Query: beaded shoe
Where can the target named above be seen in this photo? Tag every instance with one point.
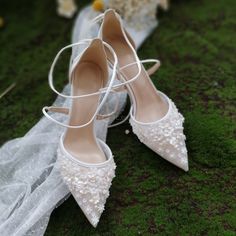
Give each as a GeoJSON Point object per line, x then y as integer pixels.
{"type": "Point", "coordinates": [154, 117]}
{"type": "Point", "coordinates": [164, 136]}
{"type": "Point", "coordinates": [86, 162]}
{"type": "Point", "coordinates": [88, 183]}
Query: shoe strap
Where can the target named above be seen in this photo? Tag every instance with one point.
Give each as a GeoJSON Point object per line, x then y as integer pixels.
{"type": "Point", "coordinates": [106, 90]}
{"type": "Point", "coordinates": [76, 61]}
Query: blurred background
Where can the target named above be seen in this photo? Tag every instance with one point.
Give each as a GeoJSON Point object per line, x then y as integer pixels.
{"type": "Point", "coordinates": [195, 41]}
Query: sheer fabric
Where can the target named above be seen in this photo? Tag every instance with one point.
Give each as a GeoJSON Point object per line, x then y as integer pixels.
{"type": "Point", "coordinates": [30, 185]}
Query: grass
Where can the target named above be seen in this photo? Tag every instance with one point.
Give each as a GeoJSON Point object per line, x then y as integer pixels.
{"type": "Point", "coordinates": [195, 41]}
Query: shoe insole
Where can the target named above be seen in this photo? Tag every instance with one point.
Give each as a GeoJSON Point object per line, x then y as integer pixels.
{"type": "Point", "coordinates": [81, 142]}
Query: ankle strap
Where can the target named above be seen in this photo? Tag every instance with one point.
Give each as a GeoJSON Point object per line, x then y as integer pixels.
{"type": "Point", "coordinates": [82, 42]}
{"type": "Point", "coordinates": [114, 65]}
{"type": "Point", "coordinates": [105, 92]}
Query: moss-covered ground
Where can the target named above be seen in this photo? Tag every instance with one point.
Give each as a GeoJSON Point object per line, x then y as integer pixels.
{"type": "Point", "coordinates": [196, 42]}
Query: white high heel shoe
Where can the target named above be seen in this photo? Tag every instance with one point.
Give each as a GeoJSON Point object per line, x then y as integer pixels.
{"type": "Point", "coordinates": [86, 163]}
{"type": "Point", "coordinates": [153, 116]}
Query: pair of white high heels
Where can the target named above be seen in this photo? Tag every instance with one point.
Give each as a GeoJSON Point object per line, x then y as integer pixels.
{"type": "Point", "coordinates": [86, 162]}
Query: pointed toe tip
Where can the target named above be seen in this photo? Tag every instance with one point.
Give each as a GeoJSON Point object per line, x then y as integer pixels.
{"type": "Point", "coordinates": [93, 220]}
{"type": "Point", "coordinates": [182, 166]}
{"type": "Point", "coordinates": [181, 162]}
{"type": "Point", "coordinates": [185, 165]}
{"type": "Point", "coordinates": [94, 224]}
{"type": "Point", "coordinates": [186, 168]}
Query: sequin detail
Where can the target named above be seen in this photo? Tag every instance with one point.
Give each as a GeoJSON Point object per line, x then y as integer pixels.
{"type": "Point", "coordinates": [88, 184]}
{"type": "Point", "coordinates": [165, 137]}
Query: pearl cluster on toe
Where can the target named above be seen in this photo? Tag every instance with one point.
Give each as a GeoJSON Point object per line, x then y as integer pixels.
{"type": "Point", "coordinates": [88, 183]}
{"type": "Point", "coordinates": [165, 136]}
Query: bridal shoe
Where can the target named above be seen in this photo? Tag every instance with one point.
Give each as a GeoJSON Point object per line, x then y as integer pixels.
{"type": "Point", "coordinates": [153, 116]}
{"type": "Point", "coordinates": [86, 162]}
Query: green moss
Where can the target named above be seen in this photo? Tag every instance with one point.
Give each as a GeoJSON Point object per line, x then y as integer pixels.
{"type": "Point", "coordinates": [211, 140]}
{"type": "Point", "coordinates": [195, 41]}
